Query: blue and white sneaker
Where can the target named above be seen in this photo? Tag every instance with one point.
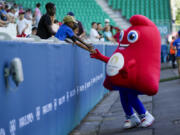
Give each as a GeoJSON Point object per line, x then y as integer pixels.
{"type": "Point", "coordinates": [146, 119]}
{"type": "Point", "coordinates": [132, 121]}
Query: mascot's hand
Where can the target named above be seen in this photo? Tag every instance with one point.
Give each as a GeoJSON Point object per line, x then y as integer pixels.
{"type": "Point", "coordinates": [96, 55]}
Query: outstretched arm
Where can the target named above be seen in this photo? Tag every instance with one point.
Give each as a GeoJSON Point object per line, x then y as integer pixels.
{"type": "Point", "coordinates": [85, 47]}
{"type": "Point", "coordinates": [84, 43]}
{"type": "Point", "coordinates": [99, 56]}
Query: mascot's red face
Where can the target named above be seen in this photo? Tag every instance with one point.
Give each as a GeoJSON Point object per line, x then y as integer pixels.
{"type": "Point", "coordinates": [136, 62]}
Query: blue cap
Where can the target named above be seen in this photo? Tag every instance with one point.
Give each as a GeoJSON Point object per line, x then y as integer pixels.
{"type": "Point", "coordinates": [70, 13]}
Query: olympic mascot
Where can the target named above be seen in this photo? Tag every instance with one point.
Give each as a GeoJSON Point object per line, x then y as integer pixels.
{"type": "Point", "coordinates": [134, 69]}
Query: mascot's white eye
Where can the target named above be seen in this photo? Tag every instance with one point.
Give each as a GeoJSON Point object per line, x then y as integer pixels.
{"type": "Point", "coordinates": [132, 36]}
{"type": "Point", "coordinates": [121, 36]}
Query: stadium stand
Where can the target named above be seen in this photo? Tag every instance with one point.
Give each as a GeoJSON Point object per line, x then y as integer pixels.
{"type": "Point", "coordinates": [85, 11]}
{"type": "Point", "coordinates": [153, 9]}
{"type": "Point", "coordinates": [157, 10]}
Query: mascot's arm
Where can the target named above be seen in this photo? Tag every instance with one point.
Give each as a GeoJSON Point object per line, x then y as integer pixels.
{"type": "Point", "coordinates": [99, 56]}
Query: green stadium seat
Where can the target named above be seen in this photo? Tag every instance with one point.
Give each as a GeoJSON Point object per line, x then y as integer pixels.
{"type": "Point", "coordinates": [110, 2]}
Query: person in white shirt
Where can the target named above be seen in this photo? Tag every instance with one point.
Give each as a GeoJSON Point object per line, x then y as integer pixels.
{"type": "Point", "coordinates": [22, 25]}
{"type": "Point", "coordinates": [12, 15]}
{"type": "Point", "coordinates": [28, 15]}
{"type": "Point", "coordinates": [94, 35]}
{"type": "Point", "coordinates": [12, 12]}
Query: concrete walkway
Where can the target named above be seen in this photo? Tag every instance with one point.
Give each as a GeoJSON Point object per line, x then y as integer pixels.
{"type": "Point", "coordinates": [107, 117]}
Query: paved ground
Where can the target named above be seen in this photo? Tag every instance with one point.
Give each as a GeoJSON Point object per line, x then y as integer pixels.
{"type": "Point", "coordinates": [169, 73]}
{"type": "Point", "coordinates": [107, 117]}
{"type": "Point", "coordinates": [166, 108]}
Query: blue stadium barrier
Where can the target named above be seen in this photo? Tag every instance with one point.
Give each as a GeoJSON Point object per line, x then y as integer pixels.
{"type": "Point", "coordinates": [109, 49]}
{"type": "Point", "coordinates": [61, 85]}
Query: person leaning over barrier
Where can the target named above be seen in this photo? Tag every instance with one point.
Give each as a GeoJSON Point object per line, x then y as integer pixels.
{"type": "Point", "coordinates": [65, 33]}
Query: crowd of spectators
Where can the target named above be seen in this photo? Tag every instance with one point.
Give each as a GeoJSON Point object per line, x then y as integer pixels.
{"type": "Point", "coordinates": [46, 26]}
{"type": "Point", "coordinates": [99, 33]}
{"type": "Point", "coordinates": [15, 14]}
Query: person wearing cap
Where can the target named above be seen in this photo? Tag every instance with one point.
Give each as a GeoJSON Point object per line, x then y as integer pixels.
{"type": "Point", "coordinates": [81, 33]}
{"type": "Point", "coordinates": [107, 21]}
{"type": "Point", "coordinates": [65, 33]}
{"type": "Point", "coordinates": [176, 44]}
{"type": "Point", "coordinates": [45, 30]}
{"type": "Point", "coordinates": [22, 24]}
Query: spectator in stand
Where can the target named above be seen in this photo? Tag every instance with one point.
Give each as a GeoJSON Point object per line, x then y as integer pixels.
{"type": "Point", "coordinates": [65, 33]}
{"type": "Point", "coordinates": [3, 13]}
{"type": "Point", "coordinates": [107, 22]}
{"type": "Point", "coordinates": [12, 12]}
{"type": "Point", "coordinates": [99, 28]}
{"type": "Point", "coordinates": [34, 31]}
{"type": "Point", "coordinates": [6, 8]}
{"type": "Point", "coordinates": [21, 8]}
{"type": "Point", "coordinates": [108, 35]}
{"type": "Point", "coordinates": [6, 17]}
{"type": "Point", "coordinates": [117, 35]}
{"type": "Point", "coordinates": [37, 14]}
{"type": "Point", "coordinates": [12, 15]}
{"type": "Point", "coordinates": [2, 22]}
{"type": "Point", "coordinates": [45, 30]}
{"type": "Point", "coordinates": [176, 44]}
{"type": "Point", "coordinates": [16, 9]}
{"type": "Point", "coordinates": [22, 24]}
{"type": "Point", "coordinates": [100, 31]}
{"type": "Point", "coordinates": [94, 36]}
{"type": "Point", "coordinates": [172, 53]}
{"type": "Point", "coordinates": [28, 15]}
{"type": "Point", "coordinates": [81, 32]}
{"type": "Point", "coordinates": [76, 29]}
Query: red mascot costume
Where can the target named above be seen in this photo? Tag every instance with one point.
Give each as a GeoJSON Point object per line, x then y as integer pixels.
{"type": "Point", "coordinates": [134, 68]}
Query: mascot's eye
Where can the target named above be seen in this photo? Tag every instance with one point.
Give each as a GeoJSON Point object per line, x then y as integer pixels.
{"type": "Point", "coordinates": [132, 36]}
{"type": "Point", "coordinates": [121, 36]}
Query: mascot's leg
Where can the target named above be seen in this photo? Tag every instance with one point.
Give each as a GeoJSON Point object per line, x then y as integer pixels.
{"type": "Point", "coordinates": [146, 118]}
{"type": "Point", "coordinates": [135, 102]}
{"type": "Point", "coordinates": [131, 118]}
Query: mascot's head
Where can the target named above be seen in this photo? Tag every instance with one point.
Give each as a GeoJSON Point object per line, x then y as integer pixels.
{"type": "Point", "coordinates": [142, 35]}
